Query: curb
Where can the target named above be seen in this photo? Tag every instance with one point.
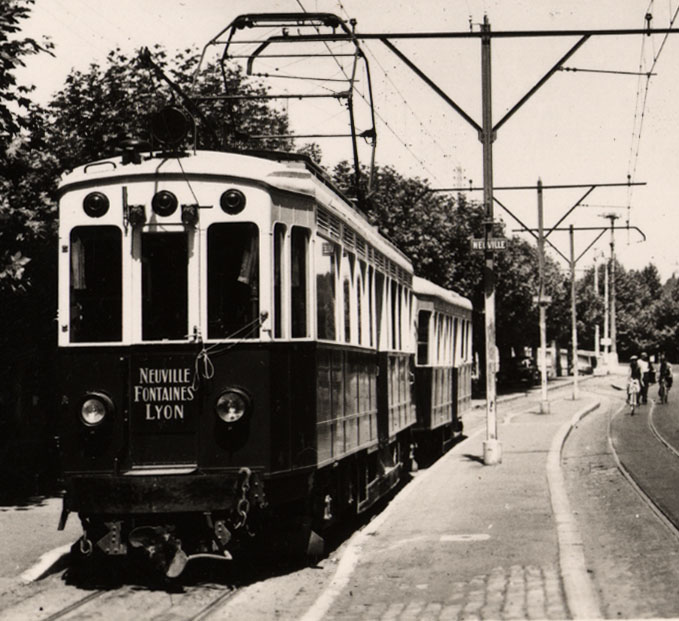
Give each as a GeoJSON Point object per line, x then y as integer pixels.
{"type": "Point", "coordinates": [48, 563]}
{"type": "Point", "coordinates": [581, 597]}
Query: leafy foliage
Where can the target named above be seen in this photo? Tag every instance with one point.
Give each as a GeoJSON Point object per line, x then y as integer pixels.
{"type": "Point", "coordinates": [13, 50]}
{"type": "Point", "coordinates": [101, 108]}
{"type": "Point", "coordinates": [434, 231]}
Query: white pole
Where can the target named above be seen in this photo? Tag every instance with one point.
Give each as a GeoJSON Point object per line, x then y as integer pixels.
{"type": "Point", "coordinates": [574, 322]}
{"type": "Point", "coordinates": [544, 401]}
{"type": "Point", "coordinates": [492, 449]}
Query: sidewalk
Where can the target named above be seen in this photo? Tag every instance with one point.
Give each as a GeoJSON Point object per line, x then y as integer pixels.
{"type": "Point", "coordinates": [465, 540]}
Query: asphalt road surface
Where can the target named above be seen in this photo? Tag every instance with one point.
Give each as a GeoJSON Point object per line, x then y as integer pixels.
{"type": "Point", "coordinates": [633, 556]}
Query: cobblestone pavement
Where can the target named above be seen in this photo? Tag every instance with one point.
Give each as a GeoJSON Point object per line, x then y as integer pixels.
{"type": "Point", "coordinates": [514, 592]}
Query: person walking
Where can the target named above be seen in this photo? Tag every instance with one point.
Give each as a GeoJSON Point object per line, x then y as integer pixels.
{"type": "Point", "coordinates": [647, 376]}
{"type": "Point", "coordinates": [664, 379]}
{"type": "Point", "coordinates": [633, 382]}
{"type": "Point", "coordinates": [643, 369]}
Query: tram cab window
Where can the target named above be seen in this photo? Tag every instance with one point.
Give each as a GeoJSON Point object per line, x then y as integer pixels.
{"type": "Point", "coordinates": [164, 286]}
{"type": "Point", "coordinates": [233, 280]}
{"type": "Point", "coordinates": [96, 308]}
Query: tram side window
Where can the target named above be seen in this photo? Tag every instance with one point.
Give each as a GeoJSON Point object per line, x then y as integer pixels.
{"type": "Point", "coordinates": [278, 245]}
{"type": "Point", "coordinates": [326, 276]}
{"type": "Point", "coordinates": [96, 287]}
{"type": "Point", "coordinates": [395, 315]}
{"type": "Point", "coordinates": [423, 337]}
{"type": "Point", "coordinates": [233, 280]}
{"type": "Point", "coordinates": [299, 248]}
{"type": "Point", "coordinates": [379, 307]}
{"type": "Point", "coordinates": [165, 302]}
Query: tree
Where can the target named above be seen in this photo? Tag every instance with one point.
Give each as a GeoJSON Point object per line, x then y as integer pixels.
{"type": "Point", "coordinates": [434, 231]}
{"type": "Point", "coordinates": [26, 228]}
{"type": "Point", "coordinates": [23, 220]}
{"type": "Point", "coordinates": [13, 50]}
{"type": "Point", "coordinates": [99, 109]}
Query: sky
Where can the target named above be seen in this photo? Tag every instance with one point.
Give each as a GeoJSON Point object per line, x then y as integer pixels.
{"type": "Point", "coordinates": [599, 125]}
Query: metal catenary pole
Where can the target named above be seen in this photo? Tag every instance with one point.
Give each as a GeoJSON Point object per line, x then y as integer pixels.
{"type": "Point", "coordinates": [542, 303]}
{"type": "Point", "coordinates": [607, 336]}
{"type": "Point", "coordinates": [492, 449]}
{"type": "Point", "coordinates": [574, 321]}
{"type": "Point", "coordinates": [614, 348]}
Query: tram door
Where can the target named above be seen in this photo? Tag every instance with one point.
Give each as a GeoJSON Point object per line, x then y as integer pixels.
{"type": "Point", "coordinates": [164, 405]}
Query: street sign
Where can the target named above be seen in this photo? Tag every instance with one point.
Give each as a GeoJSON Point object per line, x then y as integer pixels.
{"type": "Point", "coordinates": [494, 243]}
{"type": "Point", "coordinates": [605, 341]}
{"type": "Point", "coordinates": [545, 299]}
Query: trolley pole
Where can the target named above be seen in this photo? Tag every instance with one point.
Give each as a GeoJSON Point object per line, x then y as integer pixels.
{"type": "Point", "coordinates": [574, 322]}
{"type": "Point", "coordinates": [492, 449]}
{"type": "Point", "coordinates": [542, 303]}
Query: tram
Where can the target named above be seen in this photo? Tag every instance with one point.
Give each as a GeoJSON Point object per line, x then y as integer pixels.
{"type": "Point", "coordinates": [443, 368]}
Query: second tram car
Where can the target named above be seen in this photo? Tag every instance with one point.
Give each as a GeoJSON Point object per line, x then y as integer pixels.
{"type": "Point", "coordinates": [443, 367]}
{"type": "Point", "coordinates": [238, 346]}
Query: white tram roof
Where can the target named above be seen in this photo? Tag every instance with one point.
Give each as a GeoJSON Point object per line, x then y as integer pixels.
{"type": "Point", "coordinates": [287, 172]}
{"type": "Point", "coordinates": [426, 289]}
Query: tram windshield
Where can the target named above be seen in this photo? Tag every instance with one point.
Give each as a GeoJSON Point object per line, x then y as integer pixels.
{"type": "Point", "coordinates": [96, 284]}
{"type": "Point", "coordinates": [233, 280]}
{"type": "Point", "coordinates": [165, 305]}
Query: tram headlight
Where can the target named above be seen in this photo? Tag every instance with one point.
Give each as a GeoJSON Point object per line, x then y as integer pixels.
{"type": "Point", "coordinates": [164, 203]}
{"type": "Point", "coordinates": [232, 201]}
{"type": "Point", "coordinates": [232, 405]}
{"type": "Point", "coordinates": [95, 204]}
{"type": "Point", "coordinates": [95, 408]}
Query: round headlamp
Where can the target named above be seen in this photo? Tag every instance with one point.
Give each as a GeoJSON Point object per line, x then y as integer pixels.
{"type": "Point", "coordinates": [164, 203]}
{"type": "Point", "coordinates": [232, 201]}
{"type": "Point", "coordinates": [95, 204]}
{"type": "Point", "coordinates": [232, 405]}
{"type": "Point", "coordinates": [95, 408]}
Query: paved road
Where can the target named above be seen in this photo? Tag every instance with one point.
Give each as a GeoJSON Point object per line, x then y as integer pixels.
{"type": "Point", "coordinates": [29, 529]}
{"type": "Point", "coordinates": [632, 556]}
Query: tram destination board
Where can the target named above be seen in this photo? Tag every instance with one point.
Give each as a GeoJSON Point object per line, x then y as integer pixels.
{"type": "Point", "coordinates": [494, 243]}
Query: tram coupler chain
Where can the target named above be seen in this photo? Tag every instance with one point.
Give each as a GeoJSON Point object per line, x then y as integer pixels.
{"type": "Point", "coordinates": [85, 546]}
{"type": "Point", "coordinates": [242, 504]}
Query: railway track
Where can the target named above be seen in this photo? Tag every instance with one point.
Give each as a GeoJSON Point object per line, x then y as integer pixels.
{"type": "Point", "coordinates": [195, 603]}
{"type": "Point", "coordinates": [646, 450]}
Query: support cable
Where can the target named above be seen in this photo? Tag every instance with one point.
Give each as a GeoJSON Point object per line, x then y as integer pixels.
{"type": "Point", "coordinates": [636, 140]}
{"type": "Point", "coordinates": [398, 91]}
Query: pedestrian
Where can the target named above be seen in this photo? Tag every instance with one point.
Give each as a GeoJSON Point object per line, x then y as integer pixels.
{"type": "Point", "coordinates": [643, 368]}
{"type": "Point", "coordinates": [633, 382]}
{"type": "Point", "coordinates": [664, 379]}
{"type": "Point", "coordinates": [647, 375]}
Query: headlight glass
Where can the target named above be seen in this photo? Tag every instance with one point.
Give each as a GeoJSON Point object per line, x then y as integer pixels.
{"type": "Point", "coordinates": [232, 406]}
{"type": "Point", "coordinates": [94, 409]}
{"type": "Point", "coordinates": [164, 203]}
{"type": "Point", "coordinates": [95, 204]}
{"type": "Point", "coordinates": [232, 201]}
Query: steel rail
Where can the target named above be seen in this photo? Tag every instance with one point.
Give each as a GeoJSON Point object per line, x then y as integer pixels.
{"type": "Point", "coordinates": [209, 608]}
{"type": "Point", "coordinates": [74, 606]}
